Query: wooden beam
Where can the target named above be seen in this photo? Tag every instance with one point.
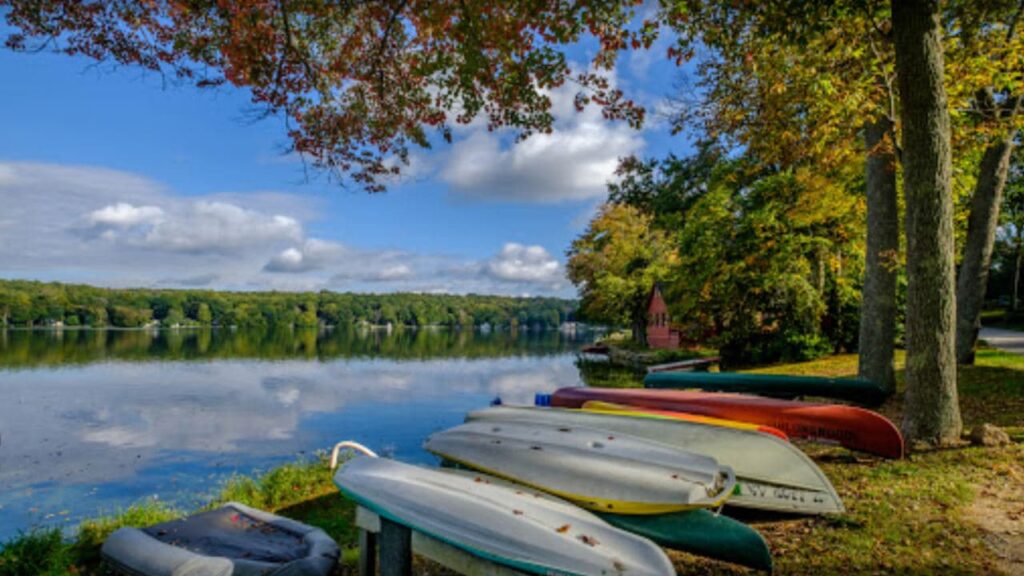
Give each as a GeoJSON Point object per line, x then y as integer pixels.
{"type": "Point", "coordinates": [457, 559]}
{"type": "Point", "coordinates": [395, 549]}
{"type": "Point", "coordinates": [367, 553]}
{"type": "Point", "coordinates": [445, 554]}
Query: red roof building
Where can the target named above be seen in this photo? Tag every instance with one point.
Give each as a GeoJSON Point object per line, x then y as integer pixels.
{"type": "Point", "coordinates": [660, 333]}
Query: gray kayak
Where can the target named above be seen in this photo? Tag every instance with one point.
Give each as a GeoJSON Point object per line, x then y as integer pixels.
{"type": "Point", "coordinates": [511, 525]}
{"type": "Point", "coordinates": [593, 468]}
{"type": "Point", "coordinates": [771, 473]}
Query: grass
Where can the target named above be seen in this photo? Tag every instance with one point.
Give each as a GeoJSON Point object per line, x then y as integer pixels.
{"type": "Point", "coordinates": [903, 517]}
{"type": "Point", "coordinates": [1003, 318]}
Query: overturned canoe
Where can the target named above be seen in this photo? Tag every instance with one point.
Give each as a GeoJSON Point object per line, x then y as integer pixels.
{"type": "Point", "coordinates": [702, 533]}
{"type": "Point", "coordinates": [518, 528]}
{"type": "Point", "coordinates": [859, 390]}
{"type": "Point", "coordinates": [592, 468]}
{"type": "Point", "coordinates": [771, 474]}
{"type": "Point", "coordinates": [854, 428]}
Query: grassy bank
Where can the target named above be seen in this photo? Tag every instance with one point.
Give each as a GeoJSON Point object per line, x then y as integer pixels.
{"type": "Point", "coordinates": [958, 511]}
{"type": "Point", "coordinates": [303, 490]}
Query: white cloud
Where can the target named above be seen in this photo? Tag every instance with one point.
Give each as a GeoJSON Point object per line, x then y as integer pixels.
{"type": "Point", "coordinates": [574, 162]}
{"type": "Point", "coordinates": [312, 255]}
{"type": "Point", "coordinates": [396, 272]}
{"type": "Point", "coordinates": [199, 226]}
{"type": "Point", "coordinates": [519, 263]}
{"type": "Point", "coordinates": [359, 272]}
{"type": "Point", "coordinates": [124, 215]}
{"type": "Point", "coordinates": [109, 228]}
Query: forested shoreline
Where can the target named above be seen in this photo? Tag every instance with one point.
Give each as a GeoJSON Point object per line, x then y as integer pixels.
{"type": "Point", "coordinates": [29, 304]}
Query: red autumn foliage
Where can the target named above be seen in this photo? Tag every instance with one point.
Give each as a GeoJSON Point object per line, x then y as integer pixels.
{"type": "Point", "coordinates": [358, 83]}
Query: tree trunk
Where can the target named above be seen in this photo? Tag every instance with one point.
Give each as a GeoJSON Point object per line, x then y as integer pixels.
{"type": "Point", "coordinates": [878, 302]}
{"type": "Point", "coordinates": [640, 332]}
{"type": "Point", "coordinates": [981, 236]}
{"type": "Point", "coordinates": [1016, 273]}
{"type": "Point", "coordinates": [638, 318]}
{"type": "Point", "coordinates": [931, 411]}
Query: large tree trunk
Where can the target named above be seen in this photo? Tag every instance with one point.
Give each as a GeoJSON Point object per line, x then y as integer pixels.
{"type": "Point", "coordinates": [931, 411]}
{"type": "Point", "coordinates": [878, 301]}
{"type": "Point", "coordinates": [981, 236]}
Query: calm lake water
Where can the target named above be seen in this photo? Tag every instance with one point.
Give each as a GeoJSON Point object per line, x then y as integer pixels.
{"type": "Point", "coordinates": [92, 421]}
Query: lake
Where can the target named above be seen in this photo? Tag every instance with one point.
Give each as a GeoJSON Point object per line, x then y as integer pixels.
{"type": "Point", "coordinates": [92, 421]}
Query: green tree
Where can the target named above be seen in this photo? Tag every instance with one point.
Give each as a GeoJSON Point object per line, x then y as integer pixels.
{"type": "Point", "coordinates": [308, 315]}
{"type": "Point", "coordinates": [615, 263]}
{"type": "Point", "coordinates": [203, 314]}
{"type": "Point", "coordinates": [174, 317]}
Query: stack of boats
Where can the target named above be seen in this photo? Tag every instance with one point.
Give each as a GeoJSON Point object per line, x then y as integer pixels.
{"type": "Point", "coordinates": [597, 480]}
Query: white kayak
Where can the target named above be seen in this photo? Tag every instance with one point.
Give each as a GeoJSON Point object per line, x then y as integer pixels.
{"type": "Point", "coordinates": [771, 473]}
{"type": "Point", "coordinates": [510, 525]}
{"type": "Point", "coordinates": [593, 468]}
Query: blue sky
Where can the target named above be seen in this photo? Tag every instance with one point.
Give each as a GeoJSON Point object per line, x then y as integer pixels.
{"type": "Point", "coordinates": [110, 178]}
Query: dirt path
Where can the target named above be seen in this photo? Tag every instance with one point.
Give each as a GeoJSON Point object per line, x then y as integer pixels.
{"type": "Point", "coordinates": [999, 510]}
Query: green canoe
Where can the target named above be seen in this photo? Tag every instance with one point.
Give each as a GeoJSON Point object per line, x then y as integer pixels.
{"type": "Point", "coordinates": [700, 532]}
{"type": "Point", "coordinates": [859, 390]}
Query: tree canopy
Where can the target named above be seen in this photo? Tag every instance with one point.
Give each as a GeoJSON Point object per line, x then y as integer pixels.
{"type": "Point", "coordinates": [359, 84]}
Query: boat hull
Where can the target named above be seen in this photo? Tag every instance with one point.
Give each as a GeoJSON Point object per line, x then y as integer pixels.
{"type": "Point", "coordinates": [702, 533]}
{"type": "Point", "coordinates": [593, 468]}
{"type": "Point", "coordinates": [857, 390]}
{"type": "Point", "coordinates": [759, 460]}
{"type": "Point", "coordinates": [625, 410]}
{"type": "Point", "coordinates": [852, 427]}
{"type": "Point", "coordinates": [511, 526]}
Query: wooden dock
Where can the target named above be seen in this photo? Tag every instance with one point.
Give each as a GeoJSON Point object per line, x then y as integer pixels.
{"type": "Point", "coordinates": [694, 364]}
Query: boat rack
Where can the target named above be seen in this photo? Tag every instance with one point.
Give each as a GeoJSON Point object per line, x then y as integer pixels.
{"type": "Point", "coordinates": [397, 544]}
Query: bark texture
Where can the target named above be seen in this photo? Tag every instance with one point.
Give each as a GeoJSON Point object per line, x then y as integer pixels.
{"type": "Point", "coordinates": [931, 410]}
{"type": "Point", "coordinates": [878, 302]}
{"type": "Point", "coordinates": [981, 235]}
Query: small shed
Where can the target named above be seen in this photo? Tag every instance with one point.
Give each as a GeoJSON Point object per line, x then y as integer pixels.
{"type": "Point", "coordinates": [660, 333]}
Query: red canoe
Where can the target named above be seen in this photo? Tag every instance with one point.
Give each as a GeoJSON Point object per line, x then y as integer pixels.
{"type": "Point", "coordinates": [854, 428]}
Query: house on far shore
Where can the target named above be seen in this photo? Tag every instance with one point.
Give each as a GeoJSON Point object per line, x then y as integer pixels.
{"type": "Point", "coordinates": [660, 333]}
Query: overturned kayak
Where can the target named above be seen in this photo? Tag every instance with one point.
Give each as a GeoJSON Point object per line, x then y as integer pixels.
{"type": "Point", "coordinates": [590, 467]}
{"type": "Point", "coordinates": [854, 428]}
{"type": "Point", "coordinates": [699, 532]}
{"type": "Point", "coordinates": [625, 410]}
{"type": "Point", "coordinates": [859, 390]}
{"type": "Point", "coordinates": [771, 474]}
{"type": "Point", "coordinates": [518, 528]}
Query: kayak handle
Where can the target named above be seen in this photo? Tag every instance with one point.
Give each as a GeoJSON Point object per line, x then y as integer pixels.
{"type": "Point", "coordinates": [352, 445]}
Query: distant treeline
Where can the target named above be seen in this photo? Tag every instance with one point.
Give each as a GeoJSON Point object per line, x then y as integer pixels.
{"type": "Point", "coordinates": [28, 304]}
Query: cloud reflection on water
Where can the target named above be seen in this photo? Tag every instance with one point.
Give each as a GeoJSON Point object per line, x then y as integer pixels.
{"type": "Point", "coordinates": [109, 423]}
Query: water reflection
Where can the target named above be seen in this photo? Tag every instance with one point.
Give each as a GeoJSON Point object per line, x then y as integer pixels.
{"type": "Point", "coordinates": [100, 427]}
{"type": "Point", "coordinates": [35, 348]}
